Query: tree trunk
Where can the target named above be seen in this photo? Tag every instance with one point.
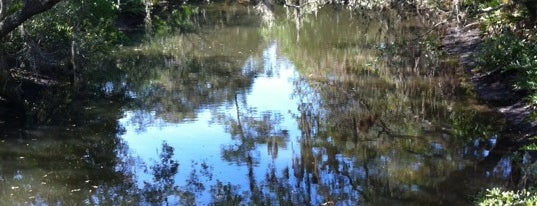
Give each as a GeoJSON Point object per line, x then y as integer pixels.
{"type": "Point", "coordinates": [30, 8]}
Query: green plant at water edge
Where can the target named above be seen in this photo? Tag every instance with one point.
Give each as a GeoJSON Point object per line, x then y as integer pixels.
{"type": "Point", "coordinates": [510, 44]}
{"type": "Point", "coordinates": [497, 196]}
{"type": "Point", "coordinates": [506, 52]}
{"type": "Point", "coordinates": [530, 147]}
{"type": "Point", "coordinates": [503, 196]}
{"type": "Point", "coordinates": [179, 20]}
{"type": "Point", "coordinates": [469, 124]}
{"type": "Point", "coordinates": [88, 26]}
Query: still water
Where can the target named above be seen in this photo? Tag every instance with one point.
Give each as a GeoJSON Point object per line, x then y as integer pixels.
{"type": "Point", "coordinates": [354, 108]}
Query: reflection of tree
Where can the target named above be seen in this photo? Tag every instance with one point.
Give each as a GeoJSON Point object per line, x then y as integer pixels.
{"type": "Point", "coordinates": [162, 188]}
{"type": "Point", "coordinates": [76, 158]}
{"type": "Point", "coordinates": [171, 77]}
{"type": "Point", "coordinates": [83, 160]}
{"type": "Point", "coordinates": [375, 161]}
{"type": "Point", "coordinates": [249, 131]}
{"type": "Point", "coordinates": [225, 194]}
{"type": "Point", "coordinates": [163, 183]}
{"type": "Point", "coordinates": [364, 134]}
{"type": "Point", "coordinates": [375, 112]}
{"type": "Point", "coordinates": [176, 93]}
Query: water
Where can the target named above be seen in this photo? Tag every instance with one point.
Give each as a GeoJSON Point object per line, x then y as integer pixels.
{"type": "Point", "coordinates": [356, 108]}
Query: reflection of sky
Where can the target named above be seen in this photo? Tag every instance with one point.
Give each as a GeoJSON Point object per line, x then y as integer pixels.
{"type": "Point", "coordinates": [202, 139]}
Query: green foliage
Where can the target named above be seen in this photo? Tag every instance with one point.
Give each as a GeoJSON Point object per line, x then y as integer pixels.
{"type": "Point", "coordinates": [497, 14]}
{"type": "Point", "coordinates": [179, 20]}
{"type": "Point", "coordinates": [482, 3]}
{"type": "Point", "coordinates": [468, 124]}
{"type": "Point", "coordinates": [160, 26]}
{"type": "Point", "coordinates": [132, 6]}
{"type": "Point", "coordinates": [507, 52]}
{"type": "Point", "coordinates": [13, 8]}
{"type": "Point", "coordinates": [501, 196]}
{"type": "Point", "coordinates": [497, 196]}
{"type": "Point", "coordinates": [87, 24]}
{"type": "Point", "coordinates": [530, 147]}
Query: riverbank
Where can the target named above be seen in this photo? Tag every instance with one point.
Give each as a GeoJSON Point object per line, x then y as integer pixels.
{"type": "Point", "coordinates": [494, 89]}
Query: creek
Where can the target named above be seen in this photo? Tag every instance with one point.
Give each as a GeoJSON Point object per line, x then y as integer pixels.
{"type": "Point", "coordinates": [354, 108]}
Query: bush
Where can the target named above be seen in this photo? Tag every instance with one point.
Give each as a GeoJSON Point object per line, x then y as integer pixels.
{"type": "Point", "coordinates": [505, 52]}
{"type": "Point", "coordinates": [497, 196]}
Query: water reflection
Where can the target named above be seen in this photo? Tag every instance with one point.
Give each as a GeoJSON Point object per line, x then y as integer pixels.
{"type": "Point", "coordinates": [353, 129]}
{"type": "Point", "coordinates": [236, 114]}
{"type": "Point", "coordinates": [251, 117]}
{"type": "Point", "coordinates": [45, 165]}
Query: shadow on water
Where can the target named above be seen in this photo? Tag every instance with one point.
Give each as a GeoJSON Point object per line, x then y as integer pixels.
{"type": "Point", "coordinates": [361, 109]}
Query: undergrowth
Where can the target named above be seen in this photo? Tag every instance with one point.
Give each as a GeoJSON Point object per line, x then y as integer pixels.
{"type": "Point", "coordinates": [510, 45]}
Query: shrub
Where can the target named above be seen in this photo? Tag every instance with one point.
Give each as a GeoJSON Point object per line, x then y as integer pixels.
{"type": "Point", "coordinates": [507, 52]}
{"type": "Point", "coordinates": [497, 196]}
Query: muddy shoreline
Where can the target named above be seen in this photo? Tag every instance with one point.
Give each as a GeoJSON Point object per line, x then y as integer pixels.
{"type": "Point", "coordinates": [493, 89]}
{"type": "Point", "coordinates": [496, 91]}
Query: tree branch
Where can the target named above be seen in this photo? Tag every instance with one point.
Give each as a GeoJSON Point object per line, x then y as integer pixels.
{"type": "Point", "coordinates": [30, 8]}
